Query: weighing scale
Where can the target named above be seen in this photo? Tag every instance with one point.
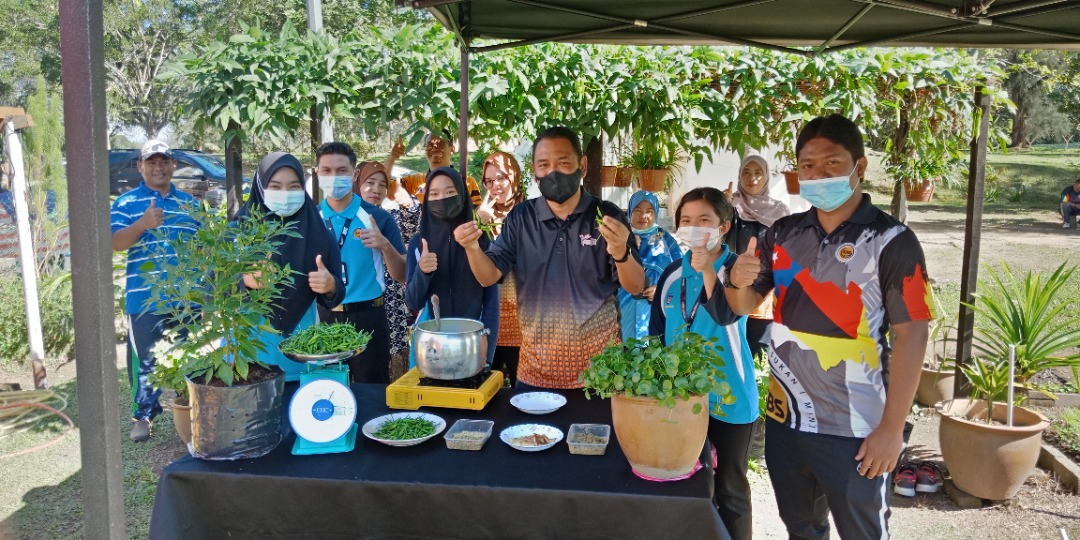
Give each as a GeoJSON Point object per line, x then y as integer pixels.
{"type": "Point", "coordinates": [413, 391]}
{"type": "Point", "coordinates": [323, 411]}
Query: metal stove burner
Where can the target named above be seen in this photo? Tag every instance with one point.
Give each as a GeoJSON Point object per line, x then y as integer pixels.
{"type": "Point", "coordinates": [471, 383]}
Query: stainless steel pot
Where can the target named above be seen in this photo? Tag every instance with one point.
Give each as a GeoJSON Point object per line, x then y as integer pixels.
{"type": "Point", "coordinates": [457, 350]}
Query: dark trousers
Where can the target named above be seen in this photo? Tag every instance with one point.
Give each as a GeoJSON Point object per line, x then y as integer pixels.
{"type": "Point", "coordinates": [506, 361]}
{"type": "Point", "coordinates": [1069, 213]}
{"type": "Point", "coordinates": [372, 365]}
{"type": "Point", "coordinates": [731, 489]}
{"type": "Point", "coordinates": [758, 334]}
{"type": "Point", "coordinates": [144, 330]}
{"type": "Point", "coordinates": [813, 474]}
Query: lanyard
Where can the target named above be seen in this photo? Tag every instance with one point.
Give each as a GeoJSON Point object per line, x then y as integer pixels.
{"type": "Point", "coordinates": [344, 231]}
{"type": "Point", "coordinates": [688, 319]}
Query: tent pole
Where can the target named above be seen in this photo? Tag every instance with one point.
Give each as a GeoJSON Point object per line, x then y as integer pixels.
{"type": "Point", "coordinates": [463, 111]}
{"type": "Point", "coordinates": [972, 234]}
{"type": "Point", "coordinates": [85, 132]}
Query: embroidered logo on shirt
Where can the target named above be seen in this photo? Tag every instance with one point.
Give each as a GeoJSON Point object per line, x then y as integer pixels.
{"type": "Point", "coordinates": [587, 240]}
{"type": "Point", "coordinates": [845, 252]}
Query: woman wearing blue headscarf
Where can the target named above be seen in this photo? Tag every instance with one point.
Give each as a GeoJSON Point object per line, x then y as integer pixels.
{"type": "Point", "coordinates": [658, 250]}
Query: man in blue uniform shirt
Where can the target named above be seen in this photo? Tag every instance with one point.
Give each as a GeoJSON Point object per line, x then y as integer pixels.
{"type": "Point", "coordinates": [370, 240]}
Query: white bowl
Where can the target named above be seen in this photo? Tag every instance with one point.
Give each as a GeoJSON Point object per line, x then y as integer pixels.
{"type": "Point", "coordinates": [538, 402]}
{"type": "Point", "coordinates": [524, 430]}
{"type": "Point", "coordinates": [372, 426]}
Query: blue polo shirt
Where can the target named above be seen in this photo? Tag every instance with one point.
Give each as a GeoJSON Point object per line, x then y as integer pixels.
{"type": "Point", "coordinates": [126, 210]}
{"type": "Point", "coordinates": [363, 267]}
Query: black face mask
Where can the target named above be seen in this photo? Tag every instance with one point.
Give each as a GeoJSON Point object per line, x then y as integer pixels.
{"type": "Point", "coordinates": [558, 187]}
{"type": "Point", "coordinates": [446, 209]}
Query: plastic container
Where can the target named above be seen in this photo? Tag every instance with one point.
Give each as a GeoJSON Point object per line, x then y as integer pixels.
{"type": "Point", "coordinates": [468, 434]}
{"type": "Point", "coordinates": [596, 440]}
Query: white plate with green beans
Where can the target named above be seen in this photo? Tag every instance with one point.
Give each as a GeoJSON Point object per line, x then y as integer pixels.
{"type": "Point", "coordinates": [403, 429]}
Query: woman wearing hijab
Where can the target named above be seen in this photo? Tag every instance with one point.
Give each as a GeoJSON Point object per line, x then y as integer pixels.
{"type": "Point", "coordinates": [437, 264]}
{"type": "Point", "coordinates": [313, 255]}
{"type": "Point", "coordinates": [501, 176]}
{"type": "Point", "coordinates": [374, 185]}
{"type": "Point", "coordinates": [755, 212]}
{"type": "Point", "coordinates": [658, 250]}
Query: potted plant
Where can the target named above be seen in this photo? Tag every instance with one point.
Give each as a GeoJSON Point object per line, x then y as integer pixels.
{"type": "Point", "coordinates": [659, 399]}
{"type": "Point", "coordinates": [168, 374]}
{"type": "Point", "coordinates": [938, 376]}
{"type": "Point", "coordinates": [790, 172]}
{"type": "Point", "coordinates": [236, 401]}
{"type": "Point", "coordinates": [984, 456]}
{"type": "Point", "coordinates": [653, 167]}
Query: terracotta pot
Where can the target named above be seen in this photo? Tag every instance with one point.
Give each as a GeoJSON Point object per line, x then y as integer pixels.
{"type": "Point", "coordinates": [989, 461]}
{"type": "Point", "coordinates": [791, 179]}
{"type": "Point", "coordinates": [921, 192]}
{"type": "Point", "coordinates": [653, 180]}
{"type": "Point", "coordinates": [607, 175]}
{"type": "Point", "coordinates": [181, 416]}
{"type": "Point", "coordinates": [935, 386]}
{"type": "Point", "coordinates": [657, 441]}
{"type": "Point", "coordinates": [624, 175]}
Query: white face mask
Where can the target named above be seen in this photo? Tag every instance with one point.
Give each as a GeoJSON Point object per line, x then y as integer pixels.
{"type": "Point", "coordinates": [335, 187]}
{"type": "Point", "coordinates": [695, 236]}
{"type": "Point", "coordinates": [283, 202]}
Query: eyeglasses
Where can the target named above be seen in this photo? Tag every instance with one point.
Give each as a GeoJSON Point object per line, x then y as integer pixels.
{"type": "Point", "coordinates": [488, 182]}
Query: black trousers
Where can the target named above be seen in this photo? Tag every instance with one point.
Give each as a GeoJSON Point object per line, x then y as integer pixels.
{"type": "Point", "coordinates": [813, 474]}
{"type": "Point", "coordinates": [506, 361]}
{"type": "Point", "coordinates": [758, 334]}
{"type": "Point", "coordinates": [731, 493]}
{"type": "Point", "coordinates": [372, 365]}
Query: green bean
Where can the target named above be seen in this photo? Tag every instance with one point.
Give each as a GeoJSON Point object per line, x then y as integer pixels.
{"type": "Point", "coordinates": [599, 219]}
{"type": "Point", "coordinates": [488, 229]}
{"type": "Point", "coordinates": [409, 427]}
{"type": "Point", "coordinates": [326, 339]}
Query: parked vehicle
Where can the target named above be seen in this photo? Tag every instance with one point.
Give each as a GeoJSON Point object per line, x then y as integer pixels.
{"type": "Point", "coordinates": [196, 172]}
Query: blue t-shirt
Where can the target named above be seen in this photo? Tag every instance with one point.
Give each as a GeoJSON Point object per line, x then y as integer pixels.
{"type": "Point", "coordinates": [713, 319]}
{"type": "Point", "coordinates": [362, 267]}
{"type": "Point", "coordinates": [126, 210]}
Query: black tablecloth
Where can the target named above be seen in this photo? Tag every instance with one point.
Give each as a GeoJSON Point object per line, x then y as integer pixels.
{"type": "Point", "coordinates": [429, 491]}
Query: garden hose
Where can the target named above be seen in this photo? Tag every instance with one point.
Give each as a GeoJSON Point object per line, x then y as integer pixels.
{"type": "Point", "coordinates": [19, 410]}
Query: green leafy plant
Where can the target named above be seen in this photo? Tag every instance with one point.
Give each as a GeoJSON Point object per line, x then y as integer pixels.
{"type": "Point", "coordinates": [1032, 313]}
{"type": "Point", "coordinates": [200, 291]}
{"type": "Point", "coordinates": [1067, 429]}
{"type": "Point", "coordinates": [168, 373]}
{"type": "Point", "coordinates": [761, 379]}
{"type": "Point", "coordinates": [57, 320]}
{"type": "Point", "coordinates": [989, 380]}
{"type": "Point", "coordinates": [689, 366]}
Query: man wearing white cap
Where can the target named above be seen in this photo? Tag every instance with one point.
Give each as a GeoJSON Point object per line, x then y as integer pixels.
{"type": "Point", "coordinates": [155, 204]}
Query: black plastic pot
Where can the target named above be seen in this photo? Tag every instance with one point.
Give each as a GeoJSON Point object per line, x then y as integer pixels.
{"type": "Point", "coordinates": [238, 422]}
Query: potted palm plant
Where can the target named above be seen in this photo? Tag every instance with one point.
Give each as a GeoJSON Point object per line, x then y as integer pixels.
{"type": "Point", "coordinates": [236, 401]}
{"type": "Point", "coordinates": [659, 399]}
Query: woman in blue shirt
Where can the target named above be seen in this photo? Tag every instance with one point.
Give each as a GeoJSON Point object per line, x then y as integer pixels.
{"type": "Point", "coordinates": [658, 249]}
{"type": "Point", "coordinates": [437, 264]}
{"type": "Point", "coordinates": [686, 286]}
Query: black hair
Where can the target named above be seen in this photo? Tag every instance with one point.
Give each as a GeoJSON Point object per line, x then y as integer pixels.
{"type": "Point", "coordinates": [441, 134]}
{"type": "Point", "coordinates": [713, 197]}
{"type": "Point", "coordinates": [836, 128]}
{"type": "Point", "coordinates": [560, 132]}
{"type": "Point", "coordinates": [331, 148]}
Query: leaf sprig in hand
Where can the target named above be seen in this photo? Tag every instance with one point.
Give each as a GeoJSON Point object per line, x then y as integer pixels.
{"type": "Point", "coordinates": [599, 220]}
{"type": "Point", "coordinates": [488, 229]}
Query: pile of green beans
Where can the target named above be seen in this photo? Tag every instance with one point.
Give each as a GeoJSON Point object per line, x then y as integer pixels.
{"type": "Point", "coordinates": [326, 339]}
{"type": "Point", "coordinates": [401, 429]}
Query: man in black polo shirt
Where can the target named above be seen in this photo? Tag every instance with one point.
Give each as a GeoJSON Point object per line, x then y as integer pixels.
{"type": "Point", "coordinates": [846, 276]}
{"type": "Point", "coordinates": [1070, 204]}
{"type": "Point", "coordinates": [567, 267]}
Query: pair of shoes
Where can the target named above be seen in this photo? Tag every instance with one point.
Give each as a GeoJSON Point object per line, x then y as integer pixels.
{"type": "Point", "coordinates": [140, 431]}
{"type": "Point", "coordinates": [912, 478]}
{"type": "Point", "coordinates": [1065, 226]}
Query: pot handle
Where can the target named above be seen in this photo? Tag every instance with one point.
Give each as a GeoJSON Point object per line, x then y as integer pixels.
{"type": "Point", "coordinates": [485, 332]}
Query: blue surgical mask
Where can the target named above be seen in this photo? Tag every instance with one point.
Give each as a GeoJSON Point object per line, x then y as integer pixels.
{"type": "Point", "coordinates": [335, 187]}
{"type": "Point", "coordinates": [827, 193]}
{"type": "Point", "coordinates": [649, 230]}
{"type": "Point", "coordinates": [283, 202]}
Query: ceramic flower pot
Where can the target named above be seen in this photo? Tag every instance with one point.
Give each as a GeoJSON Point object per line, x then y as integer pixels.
{"type": "Point", "coordinates": [660, 442]}
{"type": "Point", "coordinates": [624, 176]}
{"type": "Point", "coordinates": [990, 461]}
{"type": "Point", "coordinates": [607, 175]}
{"type": "Point", "coordinates": [181, 414]}
{"type": "Point", "coordinates": [652, 179]}
{"type": "Point", "coordinates": [791, 180]}
{"type": "Point", "coordinates": [920, 192]}
{"type": "Point", "coordinates": [935, 386]}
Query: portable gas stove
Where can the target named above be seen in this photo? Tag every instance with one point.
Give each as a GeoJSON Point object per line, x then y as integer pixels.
{"type": "Point", "coordinates": [412, 391]}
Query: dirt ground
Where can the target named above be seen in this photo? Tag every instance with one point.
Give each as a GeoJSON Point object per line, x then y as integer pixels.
{"type": "Point", "coordinates": [1026, 240]}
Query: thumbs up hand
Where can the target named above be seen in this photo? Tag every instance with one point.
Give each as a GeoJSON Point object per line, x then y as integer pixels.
{"type": "Point", "coordinates": [702, 258]}
{"type": "Point", "coordinates": [153, 217]}
{"type": "Point", "coordinates": [321, 280]}
{"type": "Point", "coordinates": [372, 237]}
{"type": "Point", "coordinates": [747, 267]}
{"type": "Point", "coordinates": [429, 262]}
{"type": "Point", "coordinates": [730, 189]}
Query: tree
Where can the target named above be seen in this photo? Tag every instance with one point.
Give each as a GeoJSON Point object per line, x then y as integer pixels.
{"type": "Point", "coordinates": [31, 41]}
{"type": "Point", "coordinates": [1030, 75]}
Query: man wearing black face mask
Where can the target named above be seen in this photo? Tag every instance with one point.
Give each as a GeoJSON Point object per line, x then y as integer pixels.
{"type": "Point", "coordinates": [567, 266]}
